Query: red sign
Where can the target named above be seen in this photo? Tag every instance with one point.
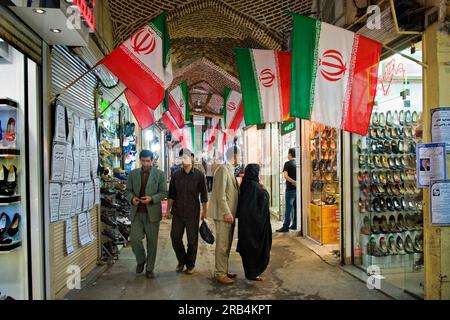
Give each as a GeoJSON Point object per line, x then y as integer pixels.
{"type": "Point", "coordinates": [332, 65]}
{"type": "Point", "coordinates": [267, 77]}
{"type": "Point", "coordinates": [86, 12]}
{"type": "Point", "coordinates": [392, 71]}
{"type": "Point", "coordinates": [144, 42]}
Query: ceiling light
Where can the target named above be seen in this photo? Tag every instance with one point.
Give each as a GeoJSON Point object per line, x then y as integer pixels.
{"type": "Point", "coordinates": [39, 11]}
{"type": "Point", "coordinates": [55, 30]}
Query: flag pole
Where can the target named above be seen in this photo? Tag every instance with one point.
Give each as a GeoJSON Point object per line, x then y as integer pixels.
{"type": "Point", "coordinates": [63, 90]}
{"type": "Point", "coordinates": [109, 105]}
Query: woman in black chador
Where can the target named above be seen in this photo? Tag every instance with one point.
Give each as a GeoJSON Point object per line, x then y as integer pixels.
{"type": "Point", "coordinates": [254, 229]}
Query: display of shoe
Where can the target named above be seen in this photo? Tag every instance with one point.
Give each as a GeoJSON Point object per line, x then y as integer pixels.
{"type": "Point", "coordinates": [392, 225]}
{"type": "Point", "coordinates": [383, 246]}
{"type": "Point", "coordinates": [10, 134]}
{"type": "Point", "coordinates": [9, 185]}
{"type": "Point", "coordinates": [400, 245]}
{"type": "Point", "coordinates": [384, 224]}
{"type": "Point", "coordinates": [392, 246]}
{"type": "Point", "coordinates": [418, 244]}
{"type": "Point", "coordinates": [409, 248]}
{"type": "Point", "coordinates": [14, 226]}
{"type": "Point", "coordinates": [5, 222]}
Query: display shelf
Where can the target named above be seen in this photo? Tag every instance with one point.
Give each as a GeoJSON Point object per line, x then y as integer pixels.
{"type": "Point", "coordinates": [8, 104]}
{"type": "Point", "coordinates": [9, 199]}
{"type": "Point", "coordinates": [9, 152]}
{"type": "Point", "coordinates": [7, 248]}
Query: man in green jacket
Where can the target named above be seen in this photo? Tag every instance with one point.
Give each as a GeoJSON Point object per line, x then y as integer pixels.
{"type": "Point", "coordinates": [146, 187]}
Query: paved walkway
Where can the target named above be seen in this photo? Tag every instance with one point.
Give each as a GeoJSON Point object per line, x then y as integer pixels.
{"type": "Point", "coordinates": [295, 272]}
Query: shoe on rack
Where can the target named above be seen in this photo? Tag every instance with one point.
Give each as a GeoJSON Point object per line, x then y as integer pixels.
{"type": "Point", "coordinates": [5, 222]}
{"type": "Point", "coordinates": [14, 226]}
{"type": "Point", "coordinates": [10, 135]}
{"type": "Point", "coordinates": [283, 229]}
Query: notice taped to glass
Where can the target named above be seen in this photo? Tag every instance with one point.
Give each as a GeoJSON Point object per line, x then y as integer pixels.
{"type": "Point", "coordinates": [440, 125]}
{"type": "Point", "coordinates": [431, 163]}
{"type": "Point", "coordinates": [440, 202]}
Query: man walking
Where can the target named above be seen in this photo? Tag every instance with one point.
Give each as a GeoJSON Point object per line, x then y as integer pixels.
{"type": "Point", "coordinates": [209, 174]}
{"type": "Point", "coordinates": [223, 205]}
{"type": "Point", "coordinates": [186, 186]}
{"type": "Point", "coordinates": [290, 172]}
{"type": "Point", "coordinates": [146, 187]}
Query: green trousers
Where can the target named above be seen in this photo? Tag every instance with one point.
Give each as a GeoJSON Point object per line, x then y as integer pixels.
{"type": "Point", "coordinates": [140, 227]}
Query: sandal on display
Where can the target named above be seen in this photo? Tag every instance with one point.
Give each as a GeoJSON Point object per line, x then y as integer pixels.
{"type": "Point", "coordinates": [10, 135]}
{"type": "Point", "coordinates": [14, 226]}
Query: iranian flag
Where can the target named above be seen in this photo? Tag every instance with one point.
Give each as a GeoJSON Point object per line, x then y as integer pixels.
{"type": "Point", "coordinates": [265, 77]}
{"type": "Point", "coordinates": [233, 111]}
{"type": "Point", "coordinates": [143, 114]}
{"type": "Point", "coordinates": [171, 125]}
{"type": "Point", "coordinates": [178, 104]}
{"type": "Point", "coordinates": [334, 75]}
{"type": "Point", "coordinates": [142, 62]}
{"type": "Point", "coordinates": [188, 138]}
{"type": "Point", "coordinates": [212, 133]}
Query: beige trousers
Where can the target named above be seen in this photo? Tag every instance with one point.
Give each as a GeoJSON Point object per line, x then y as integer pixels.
{"type": "Point", "coordinates": [224, 240]}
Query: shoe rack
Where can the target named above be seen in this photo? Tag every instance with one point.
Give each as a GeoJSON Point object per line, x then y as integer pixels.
{"type": "Point", "coordinates": [389, 203]}
{"type": "Point", "coordinates": [324, 204]}
{"type": "Point", "coordinates": [10, 216]}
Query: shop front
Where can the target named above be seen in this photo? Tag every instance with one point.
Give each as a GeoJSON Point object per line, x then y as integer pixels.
{"type": "Point", "coordinates": [387, 206]}
{"type": "Point", "coordinates": [21, 231]}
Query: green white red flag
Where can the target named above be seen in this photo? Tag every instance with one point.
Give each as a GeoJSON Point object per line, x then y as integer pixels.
{"type": "Point", "coordinates": [233, 111]}
{"type": "Point", "coordinates": [142, 113]}
{"type": "Point", "coordinates": [143, 63]}
{"type": "Point", "coordinates": [334, 75]}
{"type": "Point", "coordinates": [178, 104]}
{"type": "Point", "coordinates": [265, 77]}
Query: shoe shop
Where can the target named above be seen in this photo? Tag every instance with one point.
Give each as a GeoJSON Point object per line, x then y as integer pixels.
{"type": "Point", "coordinates": [21, 248]}
{"type": "Point", "coordinates": [321, 181]}
{"type": "Point", "coordinates": [387, 220]}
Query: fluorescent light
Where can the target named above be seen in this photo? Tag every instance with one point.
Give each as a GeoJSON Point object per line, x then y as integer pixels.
{"type": "Point", "coordinates": [149, 135]}
{"type": "Point", "coordinates": [155, 147]}
{"type": "Point", "coordinates": [55, 30]}
{"type": "Point", "coordinates": [39, 11]}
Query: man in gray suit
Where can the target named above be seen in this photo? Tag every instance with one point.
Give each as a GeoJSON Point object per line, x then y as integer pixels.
{"type": "Point", "coordinates": [146, 187]}
{"type": "Point", "coordinates": [222, 208]}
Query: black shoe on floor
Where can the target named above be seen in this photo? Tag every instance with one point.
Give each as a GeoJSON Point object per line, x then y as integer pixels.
{"type": "Point", "coordinates": [140, 268]}
{"type": "Point", "coordinates": [149, 275]}
{"type": "Point", "coordinates": [282, 229]}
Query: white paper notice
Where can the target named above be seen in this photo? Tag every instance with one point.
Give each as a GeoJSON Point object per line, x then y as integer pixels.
{"type": "Point", "coordinates": [65, 205]}
{"type": "Point", "coordinates": [69, 240]}
{"type": "Point", "coordinates": [83, 232]}
{"type": "Point", "coordinates": [431, 163]}
{"type": "Point", "coordinates": [58, 162]}
{"type": "Point", "coordinates": [84, 165]}
{"type": "Point", "coordinates": [440, 202]}
{"type": "Point", "coordinates": [68, 168]}
{"type": "Point", "coordinates": [76, 132]}
{"type": "Point", "coordinates": [70, 120]}
{"type": "Point", "coordinates": [91, 235]}
{"type": "Point", "coordinates": [91, 195]}
{"type": "Point", "coordinates": [80, 195]}
{"type": "Point", "coordinates": [94, 161]}
{"type": "Point", "coordinates": [440, 125]}
{"type": "Point", "coordinates": [76, 165]}
{"type": "Point", "coordinates": [60, 124]}
{"type": "Point", "coordinates": [97, 191]}
{"type": "Point", "coordinates": [73, 210]}
{"type": "Point", "coordinates": [55, 194]}
{"type": "Point", "coordinates": [82, 133]}
{"type": "Point", "coordinates": [86, 197]}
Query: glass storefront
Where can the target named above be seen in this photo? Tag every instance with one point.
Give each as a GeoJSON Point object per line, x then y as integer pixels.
{"type": "Point", "coordinates": [321, 184]}
{"type": "Point", "coordinates": [387, 205]}
{"type": "Point", "coordinates": [18, 92]}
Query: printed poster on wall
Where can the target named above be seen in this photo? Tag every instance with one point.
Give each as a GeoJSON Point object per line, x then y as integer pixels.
{"type": "Point", "coordinates": [431, 163]}
{"type": "Point", "coordinates": [440, 125]}
{"type": "Point", "coordinates": [65, 204]}
{"type": "Point", "coordinates": [97, 191]}
{"type": "Point", "coordinates": [82, 133]}
{"type": "Point", "coordinates": [71, 123]}
{"type": "Point", "coordinates": [55, 194]}
{"type": "Point", "coordinates": [76, 132]}
{"type": "Point", "coordinates": [68, 168]}
{"type": "Point", "coordinates": [440, 202]}
{"type": "Point", "coordinates": [60, 124]}
{"type": "Point", "coordinates": [83, 232]}
{"type": "Point", "coordinates": [69, 239]}
{"type": "Point", "coordinates": [73, 210]}
{"type": "Point", "coordinates": [76, 165]}
{"type": "Point", "coordinates": [80, 195]}
{"type": "Point", "coordinates": [91, 235]}
{"type": "Point", "coordinates": [58, 162]}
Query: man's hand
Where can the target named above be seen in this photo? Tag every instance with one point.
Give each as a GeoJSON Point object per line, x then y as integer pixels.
{"type": "Point", "coordinates": [229, 218]}
{"type": "Point", "coordinates": [146, 199]}
{"type": "Point", "coordinates": [135, 201]}
{"type": "Point", "coordinates": [204, 215]}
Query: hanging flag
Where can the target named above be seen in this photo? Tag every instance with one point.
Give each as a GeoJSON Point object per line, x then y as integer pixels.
{"type": "Point", "coordinates": [334, 75]}
{"type": "Point", "coordinates": [233, 111]}
{"type": "Point", "coordinates": [171, 125]}
{"type": "Point", "coordinates": [188, 138]}
{"type": "Point", "coordinates": [178, 104]}
{"type": "Point", "coordinates": [141, 112]}
{"type": "Point", "coordinates": [143, 63]}
{"type": "Point", "coordinates": [220, 143]}
{"type": "Point", "coordinates": [212, 133]}
{"type": "Point", "coordinates": [265, 77]}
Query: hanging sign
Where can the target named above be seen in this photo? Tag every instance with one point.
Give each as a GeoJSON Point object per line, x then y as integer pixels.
{"type": "Point", "coordinates": [440, 202]}
{"type": "Point", "coordinates": [431, 163]}
{"type": "Point", "coordinates": [440, 125]}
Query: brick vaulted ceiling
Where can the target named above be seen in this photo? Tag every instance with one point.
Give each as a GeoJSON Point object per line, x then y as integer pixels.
{"type": "Point", "coordinates": [204, 33]}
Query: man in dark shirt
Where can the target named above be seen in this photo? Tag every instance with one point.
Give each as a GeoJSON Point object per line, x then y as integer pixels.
{"type": "Point", "coordinates": [186, 186]}
{"type": "Point", "coordinates": [289, 172]}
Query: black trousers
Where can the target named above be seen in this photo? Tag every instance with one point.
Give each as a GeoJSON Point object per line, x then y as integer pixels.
{"type": "Point", "coordinates": [179, 224]}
